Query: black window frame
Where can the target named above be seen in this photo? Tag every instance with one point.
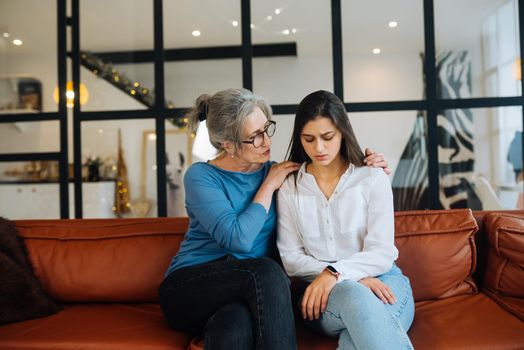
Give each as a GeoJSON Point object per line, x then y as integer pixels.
{"type": "Point", "coordinates": [431, 104]}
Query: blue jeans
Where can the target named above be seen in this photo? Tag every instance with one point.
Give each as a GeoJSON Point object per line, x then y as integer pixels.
{"type": "Point", "coordinates": [234, 304]}
{"type": "Point", "coordinates": [361, 320]}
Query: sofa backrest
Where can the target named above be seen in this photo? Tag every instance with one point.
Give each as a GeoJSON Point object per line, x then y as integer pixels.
{"type": "Point", "coordinates": [124, 260]}
{"type": "Point", "coordinates": [505, 263]}
{"type": "Point", "coordinates": [102, 260]}
{"type": "Point", "coordinates": [437, 251]}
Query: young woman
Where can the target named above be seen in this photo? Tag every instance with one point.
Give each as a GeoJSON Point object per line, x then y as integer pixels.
{"type": "Point", "coordinates": [221, 284]}
{"type": "Point", "coordinates": [336, 230]}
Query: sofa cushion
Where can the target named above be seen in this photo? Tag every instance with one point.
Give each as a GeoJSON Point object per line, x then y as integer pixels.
{"type": "Point", "coordinates": [465, 322]}
{"type": "Point", "coordinates": [102, 260]}
{"type": "Point", "coordinates": [437, 251]}
{"type": "Point", "coordinates": [95, 327]}
{"type": "Point", "coordinates": [505, 269]}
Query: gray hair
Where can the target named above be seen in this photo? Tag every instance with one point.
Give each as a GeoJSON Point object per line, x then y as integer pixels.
{"type": "Point", "coordinates": [226, 113]}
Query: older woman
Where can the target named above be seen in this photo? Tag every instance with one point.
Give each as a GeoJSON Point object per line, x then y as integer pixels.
{"type": "Point", "coordinates": [222, 283]}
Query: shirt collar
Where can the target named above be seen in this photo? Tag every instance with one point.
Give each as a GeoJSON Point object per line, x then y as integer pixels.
{"type": "Point", "coordinates": [302, 171]}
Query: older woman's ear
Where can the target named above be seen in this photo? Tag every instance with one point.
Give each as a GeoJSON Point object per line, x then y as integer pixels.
{"type": "Point", "coordinates": [229, 147]}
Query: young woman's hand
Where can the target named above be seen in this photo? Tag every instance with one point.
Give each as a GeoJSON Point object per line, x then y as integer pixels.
{"type": "Point", "coordinates": [376, 160]}
{"type": "Point", "coordinates": [278, 174]}
{"type": "Point", "coordinates": [316, 295]}
{"type": "Point", "coordinates": [381, 290]}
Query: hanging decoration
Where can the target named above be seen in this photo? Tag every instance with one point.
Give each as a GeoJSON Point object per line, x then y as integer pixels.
{"type": "Point", "coordinates": [134, 89]}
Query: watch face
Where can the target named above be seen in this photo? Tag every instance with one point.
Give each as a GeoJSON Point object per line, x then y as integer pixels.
{"type": "Point", "coordinates": [332, 269]}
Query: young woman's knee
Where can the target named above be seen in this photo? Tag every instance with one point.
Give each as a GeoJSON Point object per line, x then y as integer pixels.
{"type": "Point", "coordinates": [354, 293]}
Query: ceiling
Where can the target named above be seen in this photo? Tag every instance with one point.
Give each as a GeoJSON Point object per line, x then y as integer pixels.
{"type": "Point", "coordinates": [113, 25]}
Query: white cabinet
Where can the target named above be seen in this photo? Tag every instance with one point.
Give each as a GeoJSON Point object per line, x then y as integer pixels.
{"type": "Point", "coordinates": [42, 200]}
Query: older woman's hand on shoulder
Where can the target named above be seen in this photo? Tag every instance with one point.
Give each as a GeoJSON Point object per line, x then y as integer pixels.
{"type": "Point", "coordinates": [278, 174]}
{"type": "Point", "coordinates": [376, 160]}
{"type": "Point", "coordinates": [273, 181]}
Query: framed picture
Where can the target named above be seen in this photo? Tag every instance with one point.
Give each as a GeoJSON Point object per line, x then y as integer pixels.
{"type": "Point", "coordinates": [178, 158]}
{"type": "Point", "coordinates": [30, 94]}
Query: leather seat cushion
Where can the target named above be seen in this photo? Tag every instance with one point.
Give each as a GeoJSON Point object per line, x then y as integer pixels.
{"type": "Point", "coordinates": [465, 322]}
{"type": "Point", "coordinates": [96, 327]}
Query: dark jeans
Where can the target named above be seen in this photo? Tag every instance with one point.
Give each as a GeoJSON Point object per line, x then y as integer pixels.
{"type": "Point", "coordinates": [236, 304]}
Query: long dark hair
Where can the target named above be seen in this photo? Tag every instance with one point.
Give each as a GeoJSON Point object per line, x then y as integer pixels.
{"type": "Point", "coordinates": [327, 105]}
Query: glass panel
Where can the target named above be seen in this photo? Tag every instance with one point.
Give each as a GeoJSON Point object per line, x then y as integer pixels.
{"type": "Point", "coordinates": [110, 73]}
{"type": "Point", "coordinates": [217, 24]}
{"type": "Point", "coordinates": [31, 190]}
{"type": "Point", "coordinates": [480, 158]}
{"type": "Point", "coordinates": [288, 79]}
{"type": "Point", "coordinates": [401, 138]}
{"type": "Point", "coordinates": [179, 143]}
{"type": "Point", "coordinates": [28, 57]}
{"type": "Point", "coordinates": [280, 141]}
{"type": "Point", "coordinates": [187, 80]}
{"type": "Point", "coordinates": [30, 137]}
{"type": "Point", "coordinates": [383, 42]}
{"type": "Point", "coordinates": [118, 170]}
{"type": "Point", "coordinates": [477, 57]}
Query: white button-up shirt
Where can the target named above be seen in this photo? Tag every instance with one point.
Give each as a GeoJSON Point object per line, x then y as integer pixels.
{"type": "Point", "coordinates": [353, 230]}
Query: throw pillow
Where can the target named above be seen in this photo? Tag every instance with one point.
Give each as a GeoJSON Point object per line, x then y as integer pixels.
{"type": "Point", "coordinates": [21, 294]}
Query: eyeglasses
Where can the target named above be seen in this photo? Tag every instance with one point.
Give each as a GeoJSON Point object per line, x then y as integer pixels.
{"type": "Point", "coordinates": [258, 139]}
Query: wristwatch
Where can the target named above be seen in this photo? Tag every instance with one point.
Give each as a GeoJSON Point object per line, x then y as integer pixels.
{"type": "Point", "coordinates": [332, 271]}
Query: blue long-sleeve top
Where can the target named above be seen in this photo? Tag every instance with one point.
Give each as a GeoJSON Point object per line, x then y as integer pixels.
{"type": "Point", "coordinates": [223, 217]}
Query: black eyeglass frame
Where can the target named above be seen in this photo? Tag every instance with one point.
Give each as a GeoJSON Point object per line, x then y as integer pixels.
{"type": "Point", "coordinates": [261, 133]}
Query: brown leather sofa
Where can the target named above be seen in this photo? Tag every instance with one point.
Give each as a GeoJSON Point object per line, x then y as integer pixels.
{"type": "Point", "coordinates": [468, 285]}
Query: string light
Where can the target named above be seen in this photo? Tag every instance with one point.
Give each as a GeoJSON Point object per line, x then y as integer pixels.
{"type": "Point", "coordinates": [132, 87]}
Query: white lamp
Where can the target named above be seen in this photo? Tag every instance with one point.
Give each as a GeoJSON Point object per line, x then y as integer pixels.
{"type": "Point", "coordinates": [203, 150]}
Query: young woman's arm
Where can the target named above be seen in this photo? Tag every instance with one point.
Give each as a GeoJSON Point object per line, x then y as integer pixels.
{"type": "Point", "coordinates": [289, 239]}
{"type": "Point", "coordinates": [295, 259]}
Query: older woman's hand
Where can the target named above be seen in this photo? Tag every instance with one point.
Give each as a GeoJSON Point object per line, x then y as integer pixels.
{"type": "Point", "coordinates": [376, 160]}
{"type": "Point", "coordinates": [273, 181]}
{"type": "Point", "coordinates": [278, 174]}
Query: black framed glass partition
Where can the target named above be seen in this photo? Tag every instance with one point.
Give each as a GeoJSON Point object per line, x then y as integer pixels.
{"type": "Point", "coordinates": [439, 96]}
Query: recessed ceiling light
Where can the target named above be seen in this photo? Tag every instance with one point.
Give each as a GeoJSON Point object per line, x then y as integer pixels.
{"type": "Point", "coordinates": [269, 18]}
{"type": "Point", "coordinates": [195, 32]}
{"type": "Point", "coordinates": [17, 42]}
{"type": "Point", "coordinates": [252, 26]}
{"type": "Point", "coordinates": [5, 35]}
{"type": "Point", "coordinates": [234, 23]}
{"type": "Point", "coordinates": [376, 51]}
{"type": "Point", "coordinates": [294, 30]}
{"type": "Point", "coordinates": [392, 24]}
{"type": "Point", "coordinates": [285, 32]}
{"type": "Point", "coordinates": [277, 11]}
